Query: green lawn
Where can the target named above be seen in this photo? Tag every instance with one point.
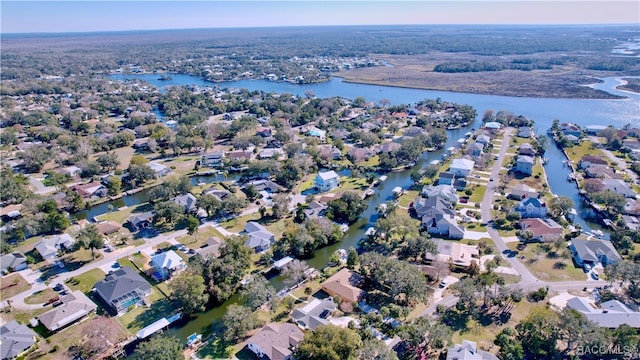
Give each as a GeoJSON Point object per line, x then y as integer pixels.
{"type": "Point", "coordinates": [408, 197]}
{"type": "Point", "coordinates": [576, 152]}
{"type": "Point", "coordinates": [85, 281]}
{"type": "Point", "coordinates": [196, 241]}
{"type": "Point", "coordinates": [478, 194]}
{"type": "Point", "coordinates": [141, 316]}
{"type": "Point", "coordinates": [351, 184]}
{"type": "Point", "coordinates": [40, 296]}
{"type": "Point", "coordinates": [372, 161]}
{"type": "Point", "coordinates": [12, 285]}
{"type": "Point", "coordinates": [237, 224]}
{"type": "Point", "coordinates": [550, 268]}
{"type": "Point", "coordinates": [121, 216]}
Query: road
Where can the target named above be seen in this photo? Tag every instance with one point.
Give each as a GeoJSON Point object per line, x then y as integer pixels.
{"type": "Point", "coordinates": [620, 164]}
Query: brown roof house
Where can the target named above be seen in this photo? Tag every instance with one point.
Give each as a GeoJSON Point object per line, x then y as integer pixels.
{"type": "Point", "coordinates": [75, 306]}
{"type": "Point", "coordinates": [275, 341]}
{"type": "Point", "coordinates": [345, 284]}
{"type": "Point", "coordinates": [543, 230]}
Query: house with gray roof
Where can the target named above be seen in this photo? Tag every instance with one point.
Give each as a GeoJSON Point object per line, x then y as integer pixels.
{"type": "Point", "coordinates": [275, 341]}
{"type": "Point", "coordinates": [468, 350]}
{"type": "Point", "coordinates": [522, 191]}
{"type": "Point", "coordinates": [260, 239]}
{"type": "Point", "coordinates": [213, 159]}
{"type": "Point", "coordinates": [14, 261]}
{"type": "Point", "coordinates": [532, 208]}
{"type": "Point", "coordinates": [49, 247]}
{"type": "Point", "coordinates": [122, 289]}
{"type": "Point", "coordinates": [75, 306]}
{"type": "Point", "coordinates": [424, 206]}
{"type": "Point", "coordinates": [326, 181]}
{"type": "Point", "coordinates": [159, 169]}
{"type": "Point", "coordinates": [315, 210]}
{"type": "Point", "coordinates": [620, 187]}
{"type": "Point", "coordinates": [524, 164]}
{"type": "Point", "coordinates": [139, 221]}
{"type": "Point", "coordinates": [15, 340]}
{"type": "Point", "coordinates": [188, 202]}
{"type": "Point", "coordinates": [446, 178]}
{"type": "Point", "coordinates": [446, 192]}
{"type": "Point", "coordinates": [314, 314]}
{"type": "Point", "coordinates": [593, 252]}
{"type": "Point", "coordinates": [483, 139]}
{"type": "Point", "coordinates": [475, 148]}
{"type": "Point", "coordinates": [611, 314]}
{"type": "Point", "coordinates": [167, 263]}
{"type": "Point", "coordinates": [461, 167]}
{"type": "Point", "coordinates": [443, 223]}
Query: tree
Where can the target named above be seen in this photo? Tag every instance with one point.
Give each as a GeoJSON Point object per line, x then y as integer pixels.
{"type": "Point", "coordinates": [91, 238]}
{"type": "Point", "coordinates": [159, 347]}
{"type": "Point", "coordinates": [613, 201]}
{"type": "Point", "coordinates": [510, 348]}
{"type": "Point", "coordinates": [189, 291]}
{"type": "Point", "coordinates": [210, 204]}
{"type": "Point", "coordinates": [425, 336]}
{"type": "Point", "coordinates": [233, 204]}
{"type": "Point", "coordinates": [34, 158]}
{"type": "Point", "coordinates": [294, 272]}
{"type": "Point", "coordinates": [108, 161]}
{"type": "Point", "coordinates": [139, 174]}
{"type": "Point", "coordinates": [114, 185]}
{"type": "Point", "coordinates": [560, 206]}
{"type": "Point", "coordinates": [329, 342]}
{"type": "Point", "coordinates": [252, 192]}
{"type": "Point", "coordinates": [192, 226]}
{"type": "Point", "coordinates": [238, 320]}
{"type": "Point", "coordinates": [280, 206]}
{"type": "Point", "coordinates": [539, 334]}
{"type": "Point", "coordinates": [222, 274]}
{"type": "Point", "coordinates": [257, 293]}
{"type": "Point", "coordinates": [352, 258]}
{"type": "Point", "coordinates": [168, 212]}
{"type": "Point", "coordinates": [57, 221]}
{"type": "Point", "coordinates": [346, 209]}
{"type": "Point", "coordinates": [374, 349]}
{"type": "Point", "coordinates": [138, 160]}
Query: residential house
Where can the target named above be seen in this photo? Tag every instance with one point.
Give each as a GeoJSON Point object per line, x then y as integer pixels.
{"type": "Point", "coordinates": [239, 155]}
{"type": "Point", "coordinates": [461, 167]}
{"type": "Point", "coordinates": [275, 341]}
{"type": "Point", "coordinates": [631, 144]}
{"type": "Point", "coordinates": [71, 171]}
{"type": "Point", "coordinates": [446, 192]}
{"type": "Point", "coordinates": [611, 314]}
{"type": "Point", "coordinates": [167, 263]}
{"type": "Point", "coordinates": [265, 185]}
{"type": "Point", "coordinates": [524, 164]}
{"type": "Point", "coordinates": [75, 306]}
{"type": "Point", "coordinates": [526, 149]}
{"type": "Point", "coordinates": [265, 132]}
{"type": "Point", "coordinates": [631, 222]}
{"type": "Point", "coordinates": [443, 223]}
{"type": "Point", "coordinates": [219, 194]}
{"type": "Point", "coordinates": [139, 221]}
{"type": "Point", "coordinates": [260, 239]}
{"type": "Point", "coordinates": [341, 134]}
{"type": "Point", "coordinates": [601, 171]}
{"type": "Point", "coordinates": [271, 154]}
{"type": "Point", "coordinates": [88, 190]}
{"type": "Point", "coordinates": [468, 350]}
{"type": "Point", "coordinates": [317, 133]}
{"type": "Point", "coordinates": [315, 210]}
{"type": "Point", "coordinates": [122, 289]}
{"type": "Point", "coordinates": [211, 248]}
{"type": "Point", "coordinates": [544, 230]}
{"type": "Point", "coordinates": [14, 261]}
{"type": "Point", "coordinates": [522, 191]}
{"type": "Point", "coordinates": [15, 340]}
{"type": "Point", "coordinates": [159, 169]}
{"type": "Point", "coordinates": [414, 131]}
{"type": "Point", "coordinates": [532, 208]}
{"type": "Point", "coordinates": [457, 253]}
{"type": "Point", "coordinates": [594, 252]}
{"type": "Point", "coordinates": [423, 206]}
{"type": "Point", "coordinates": [632, 207]}
{"type": "Point", "coordinates": [10, 212]}
{"type": "Point", "coordinates": [345, 284]}
{"type": "Point", "coordinates": [475, 148]}
{"type": "Point", "coordinates": [141, 144]}
{"type": "Point", "coordinates": [357, 154]}
{"type": "Point", "coordinates": [573, 139]}
{"type": "Point", "coordinates": [594, 129]}
{"type": "Point", "coordinates": [492, 125]}
{"type": "Point", "coordinates": [620, 187]}
{"type": "Point", "coordinates": [326, 181]}
{"type": "Point", "coordinates": [188, 201]}
{"type": "Point", "coordinates": [460, 184]}
{"type": "Point", "coordinates": [525, 132]}
{"type": "Point", "coordinates": [589, 160]}
{"type": "Point", "coordinates": [329, 152]}
{"type": "Point", "coordinates": [49, 246]}
{"type": "Point", "coordinates": [446, 178]}
{"type": "Point", "coordinates": [313, 314]}
{"type": "Point", "coordinates": [213, 159]}
{"type": "Point", "coordinates": [483, 139]}
{"type": "Point", "coordinates": [570, 129]}
{"type": "Point", "coordinates": [108, 227]}
{"type": "Point", "coordinates": [389, 147]}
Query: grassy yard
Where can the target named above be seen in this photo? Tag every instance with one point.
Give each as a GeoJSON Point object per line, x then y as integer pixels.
{"type": "Point", "coordinates": [40, 296]}
{"type": "Point", "coordinates": [85, 281]}
{"type": "Point", "coordinates": [547, 267]}
{"type": "Point", "coordinates": [182, 165]}
{"type": "Point", "coordinates": [28, 244]}
{"type": "Point", "coordinates": [141, 316]}
{"type": "Point", "coordinates": [576, 152]}
{"type": "Point", "coordinates": [196, 241]}
{"type": "Point", "coordinates": [408, 197]}
{"type": "Point", "coordinates": [478, 194]}
{"type": "Point", "coordinates": [237, 224]}
{"type": "Point", "coordinates": [121, 216]}
{"type": "Point", "coordinates": [23, 316]}
{"type": "Point", "coordinates": [372, 161]}
{"type": "Point", "coordinates": [12, 285]}
{"type": "Point", "coordinates": [351, 184]}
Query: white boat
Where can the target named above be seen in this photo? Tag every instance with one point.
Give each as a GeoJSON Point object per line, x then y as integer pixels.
{"type": "Point", "coordinates": [434, 162]}
{"type": "Point", "coordinates": [383, 178]}
{"type": "Point", "coordinates": [397, 191]}
{"type": "Point", "coordinates": [344, 227]}
{"type": "Point", "coordinates": [369, 192]}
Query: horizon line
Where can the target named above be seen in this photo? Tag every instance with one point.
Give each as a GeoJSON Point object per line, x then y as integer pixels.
{"type": "Point", "coordinates": [312, 26]}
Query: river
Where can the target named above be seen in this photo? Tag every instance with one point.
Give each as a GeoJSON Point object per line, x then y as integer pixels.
{"type": "Point", "coordinates": [542, 110]}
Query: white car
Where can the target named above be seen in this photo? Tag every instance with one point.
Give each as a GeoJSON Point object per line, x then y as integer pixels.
{"type": "Point", "coordinates": [443, 283]}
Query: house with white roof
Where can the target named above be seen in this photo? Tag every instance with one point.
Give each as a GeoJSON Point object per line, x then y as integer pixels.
{"type": "Point", "coordinates": [49, 247]}
{"type": "Point", "coordinates": [461, 167]}
{"type": "Point", "coordinates": [14, 261]}
{"type": "Point", "coordinates": [326, 181]}
{"type": "Point", "coordinates": [159, 169]}
{"type": "Point", "coordinates": [468, 350]}
{"type": "Point", "coordinates": [483, 139]}
{"type": "Point", "coordinates": [167, 263]}
{"type": "Point", "coordinates": [260, 239]}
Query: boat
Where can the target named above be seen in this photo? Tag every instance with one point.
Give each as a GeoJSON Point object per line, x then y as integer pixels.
{"type": "Point", "coordinates": [571, 177]}
{"type": "Point", "coordinates": [193, 339]}
{"type": "Point", "coordinates": [397, 191]}
{"type": "Point", "coordinates": [165, 78]}
{"type": "Point", "coordinates": [382, 209]}
{"type": "Point", "coordinates": [435, 162]}
{"type": "Point", "coordinates": [383, 178]}
{"type": "Point", "coordinates": [368, 193]}
{"type": "Point", "coordinates": [344, 227]}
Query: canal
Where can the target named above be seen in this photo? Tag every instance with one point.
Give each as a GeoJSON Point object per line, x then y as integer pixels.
{"type": "Point", "coordinates": [542, 110]}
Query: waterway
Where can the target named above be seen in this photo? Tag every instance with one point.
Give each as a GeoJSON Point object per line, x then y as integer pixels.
{"type": "Point", "coordinates": [542, 110]}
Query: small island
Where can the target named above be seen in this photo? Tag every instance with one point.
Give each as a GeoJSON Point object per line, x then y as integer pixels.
{"type": "Point", "coordinates": [165, 78]}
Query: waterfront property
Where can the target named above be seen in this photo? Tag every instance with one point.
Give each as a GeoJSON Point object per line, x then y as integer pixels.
{"type": "Point", "coordinates": [461, 167]}
{"type": "Point", "coordinates": [524, 164]}
{"type": "Point", "coordinates": [213, 159]}
{"type": "Point", "coordinates": [468, 350]}
{"type": "Point", "coordinates": [326, 181]}
{"type": "Point", "coordinates": [75, 306]}
{"type": "Point", "coordinates": [275, 341]}
{"type": "Point", "coordinates": [141, 220]}
{"type": "Point", "coordinates": [166, 264]}
{"type": "Point", "coordinates": [543, 230]}
{"type": "Point", "coordinates": [15, 340]}
{"type": "Point", "coordinates": [456, 253]}
{"type": "Point", "coordinates": [260, 239]}
{"type": "Point", "coordinates": [345, 284]}
{"type": "Point", "coordinates": [121, 289]}
{"type": "Point", "coordinates": [314, 314]}
{"type": "Point", "coordinates": [442, 223]}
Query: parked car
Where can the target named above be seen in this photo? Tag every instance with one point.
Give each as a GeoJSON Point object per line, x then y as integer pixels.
{"type": "Point", "coordinates": [58, 287]}
{"type": "Point", "coordinates": [443, 283]}
{"type": "Point", "coordinates": [595, 275]}
{"type": "Point", "coordinates": [586, 267]}
{"type": "Point", "coordinates": [464, 200]}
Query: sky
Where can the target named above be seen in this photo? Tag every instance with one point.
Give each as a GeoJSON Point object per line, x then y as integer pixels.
{"type": "Point", "coordinates": [26, 16]}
